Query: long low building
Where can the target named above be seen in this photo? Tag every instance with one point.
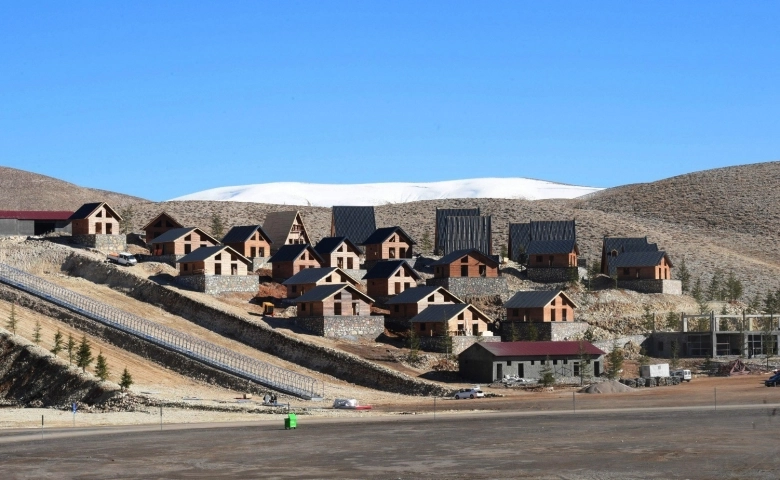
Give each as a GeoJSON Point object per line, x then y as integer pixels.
{"type": "Point", "coordinates": [36, 222]}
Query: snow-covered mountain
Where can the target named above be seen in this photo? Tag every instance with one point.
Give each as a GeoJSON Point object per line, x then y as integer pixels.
{"type": "Point", "coordinates": [327, 195]}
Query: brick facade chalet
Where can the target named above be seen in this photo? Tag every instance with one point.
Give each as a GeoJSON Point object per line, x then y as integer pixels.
{"type": "Point", "coordinates": [388, 243]}
{"type": "Point", "coordinates": [334, 300]}
{"type": "Point", "coordinates": [216, 260]}
{"type": "Point", "coordinates": [540, 306]}
{"type": "Point", "coordinates": [291, 259]}
{"type": "Point", "coordinates": [552, 254]}
{"type": "Point", "coordinates": [250, 241]}
{"type": "Point", "coordinates": [643, 266]}
{"type": "Point", "coordinates": [308, 278]}
{"type": "Point", "coordinates": [181, 241]}
{"type": "Point", "coordinates": [95, 219]}
{"type": "Point", "coordinates": [459, 319]}
{"type": "Point", "coordinates": [339, 252]}
{"type": "Point", "coordinates": [414, 300]}
{"type": "Point", "coordinates": [465, 263]}
{"type": "Point", "coordinates": [390, 277]}
{"type": "Point", "coordinates": [159, 225]}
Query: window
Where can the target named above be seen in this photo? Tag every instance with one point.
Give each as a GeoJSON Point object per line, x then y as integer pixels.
{"type": "Point", "coordinates": [464, 259]}
{"type": "Point", "coordinates": [262, 251]}
{"type": "Point", "coordinates": [337, 296]}
{"type": "Point", "coordinates": [218, 256]}
{"type": "Point", "coordinates": [576, 369]}
{"type": "Point", "coordinates": [555, 362]}
{"type": "Point", "coordinates": [396, 308]}
{"type": "Point", "coordinates": [626, 271]}
{"type": "Point", "coordinates": [509, 363]}
{"type": "Point", "coordinates": [340, 262]}
{"type": "Point", "coordinates": [563, 314]}
{"type": "Point", "coordinates": [294, 288]}
{"type": "Point", "coordinates": [218, 269]}
{"type": "Point", "coordinates": [660, 346]}
{"type": "Point", "coordinates": [337, 308]}
{"type": "Point", "coordinates": [398, 273]}
{"type": "Point", "coordinates": [461, 316]}
{"type": "Point", "coordinates": [483, 270]}
{"type": "Point", "coordinates": [539, 259]}
{"type": "Point", "coordinates": [464, 271]}
{"type": "Point", "coordinates": [188, 238]}
{"type": "Point", "coordinates": [431, 298]}
{"type": "Point", "coordinates": [350, 264]}
{"type": "Point", "coordinates": [329, 279]}
{"type": "Point", "coordinates": [252, 251]}
{"type": "Point", "coordinates": [516, 312]}
{"type": "Point", "coordinates": [552, 315]}
{"type": "Point", "coordinates": [422, 327]}
{"type": "Point", "coordinates": [402, 252]}
{"type": "Point", "coordinates": [186, 266]}
{"type": "Point", "coordinates": [303, 306]}
{"type": "Point", "coordinates": [391, 252]}
{"type": "Point", "coordinates": [341, 248]}
{"type": "Point", "coordinates": [187, 248]}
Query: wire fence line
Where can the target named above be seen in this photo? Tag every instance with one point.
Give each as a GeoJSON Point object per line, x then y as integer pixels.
{"type": "Point", "coordinates": [221, 358]}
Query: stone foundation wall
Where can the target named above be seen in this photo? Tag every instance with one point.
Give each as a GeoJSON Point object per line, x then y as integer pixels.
{"type": "Point", "coordinates": [260, 262]}
{"type": "Point", "coordinates": [550, 275]}
{"type": "Point", "coordinates": [356, 274]}
{"type": "Point", "coordinates": [459, 343]}
{"type": "Point", "coordinates": [216, 284]}
{"type": "Point", "coordinates": [349, 327]}
{"type": "Point", "coordinates": [670, 287]}
{"type": "Point", "coordinates": [473, 286]}
{"type": "Point", "coordinates": [546, 331]}
{"type": "Point", "coordinates": [104, 243]}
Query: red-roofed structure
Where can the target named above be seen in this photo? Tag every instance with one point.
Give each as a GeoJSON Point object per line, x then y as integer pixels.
{"type": "Point", "coordinates": [34, 215]}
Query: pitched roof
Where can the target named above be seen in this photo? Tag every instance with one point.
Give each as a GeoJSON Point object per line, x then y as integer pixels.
{"type": "Point", "coordinates": [387, 268]}
{"type": "Point", "coordinates": [314, 275]}
{"type": "Point", "coordinates": [639, 259]}
{"type": "Point", "coordinates": [162, 214]}
{"type": "Point", "coordinates": [278, 224]}
{"type": "Point", "coordinates": [382, 234]}
{"type": "Point", "coordinates": [539, 349]}
{"type": "Point", "coordinates": [457, 254]}
{"type": "Point", "coordinates": [441, 216]}
{"type": "Point", "coordinates": [443, 312]}
{"type": "Point", "coordinates": [328, 245]}
{"type": "Point", "coordinates": [466, 232]}
{"type": "Point", "coordinates": [322, 292]}
{"type": "Point", "coordinates": [535, 299]}
{"type": "Point", "coordinates": [290, 253]}
{"type": "Point", "coordinates": [414, 295]}
{"type": "Point", "coordinates": [202, 253]}
{"type": "Point", "coordinates": [88, 208]}
{"type": "Point", "coordinates": [35, 215]}
{"type": "Point", "coordinates": [242, 233]}
{"type": "Point", "coordinates": [355, 223]}
{"type": "Point", "coordinates": [551, 247]}
{"type": "Point", "coordinates": [176, 233]}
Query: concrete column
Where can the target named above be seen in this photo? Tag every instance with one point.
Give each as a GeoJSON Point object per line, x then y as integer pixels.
{"type": "Point", "coordinates": [684, 322]}
{"type": "Point", "coordinates": [714, 335]}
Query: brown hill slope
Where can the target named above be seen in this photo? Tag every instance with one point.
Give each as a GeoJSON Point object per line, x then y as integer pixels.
{"type": "Point", "coordinates": [21, 190]}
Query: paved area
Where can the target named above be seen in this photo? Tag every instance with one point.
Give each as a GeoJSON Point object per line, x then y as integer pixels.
{"type": "Point", "coordinates": [689, 443]}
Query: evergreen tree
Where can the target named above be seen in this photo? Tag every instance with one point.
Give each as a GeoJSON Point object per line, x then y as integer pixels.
{"type": "Point", "coordinates": [771, 303]}
{"type": "Point", "coordinates": [126, 380]}
{"type": "Point", "coordinates": [504, 252]}
{"type": "Point", "coordinates": [37, 332]}
{"type": "Point", "coordinates": [675, 360]}
{"type": "Point", "coordinates": [126, 225]}
{"type": "Point", "coordinates": [425, 243]}
{"type": "Point", "coordinates": [12, 321]}
{"type": "Point", "coordinates": [57, 348]}
{"type": "Point", "coordinates": [414, 345]}
{"type": "Point", "coordinates": [685, 276]}
{"type": "Point", "coordinates": [755, 304]}
{"type": "Point", "coordinates": [733, 288]}
{"type": "Point", "coordinates": [101, 367]}
{"type": "Point", "coordinates": [673, 321]}
{"type": "Point", "coordinates": [514, 333]}
{"type": "Point", "coordinates": [547, 373]}
{"type": "Point", "coordinates": [696, 292]}
{"type": "Point", "coordinates": [217, 228]}
{"type": "Point", "coordinates": [643, 358]}
{"type": "Point", "coordinates": [84, 354]}
{"type": "Point", "coordinates": [648, 319]}
{"type": "Point", "coordinates": [715, 288]}
{"type": "Point", "coordinates": [532, 332]}
{"type": "Point", "coordinates": [594, 270]}
{"type": "Point", "coordinates": [584, 366]}
{"type": "Point", "coordinates": [614, 361]}
{"type": "Point", "coordinates": [445, 340]}
{"type": "Point", "coordinates": [573, 276]}
{"type": "Point", "coordinates": [69, 347]}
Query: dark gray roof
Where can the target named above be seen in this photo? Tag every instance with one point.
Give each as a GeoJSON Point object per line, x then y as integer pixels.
{"type": "Point", "coordinates": [321, 292]}
{"type": "Point", "coordinates": [638, 259]}
{"type": "Point", "coordinates": [439, 313]}
{"type": "Point", "coordinates": [522, 234]}
{"type": "Point", "coordinates": [534, 299]}
{"type": "Point", "coordinates": [162, 214]}
{"type": "Point", "coordinates": [173, 234]}
{"type": "Point", "coordinates": [381, 234]}
{"type": "Point", "coordinates": [239, 234]}
{"type": "Point", "coordinates": [550, 247]}
{"type": "Point", "coordinates": [278, 224]}
{"type": "Point", "coordinates": [202, 253]}
{"type": "Point", "coordinates": [457, 254]}
{"type": "Point", "coordinates": [387, 268]}
{"type": "Point", "coordinates": [466, 232]}
{"type": "Point", "coordinates": [85, 210]}
{"type": "Point", "coordinates": [290, 253]}
{"type": "Point", "coordinates": [442, 214]}
{"type": "Point", "coordinates": [413, 295]}
{"type": "Point", "coordinates": [355, 223]}
{"type": "Point", "coordinates": [327, 245]}
{"type": "Point", "coordinates": [309, 275]}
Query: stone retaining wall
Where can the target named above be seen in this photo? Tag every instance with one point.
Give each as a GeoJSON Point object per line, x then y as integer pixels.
{"type": "Point", "coordinates": [670, 287]}
{"type": "Point", "coordinates": [348, 327]}
{"type": "Point", "coordinates": [104, 243]}
{"type": "Point", "coordinates": [473, 286]}
{"type": "Point", "coordinates": [547, 331]}
{"type": "Point", "coordinates": [216, 284]}
{"type": "Point", "coordinates": [550, 274]}
{"type": "Point", "coordinates": [459, 343]}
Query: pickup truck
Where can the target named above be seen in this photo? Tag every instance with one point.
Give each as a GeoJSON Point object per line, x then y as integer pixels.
{"type": "Point", "coordinates": [123, 258]}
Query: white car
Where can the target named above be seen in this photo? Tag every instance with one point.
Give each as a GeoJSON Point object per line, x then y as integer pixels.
{"type": "Point", "coordinates": [474, 392]}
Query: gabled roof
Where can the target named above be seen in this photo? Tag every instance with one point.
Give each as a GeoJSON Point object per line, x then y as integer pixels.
{"type": "Point", "coordinates": [466, 232]}
{"type": "Point", "coordinates": [382, 234]}
{"type": "Point", "coordinates": [176, 233]}
{"type": "Point", "coordinates": [445, 312]}
{"type": "Point", "coordinates": [458, 254]}
{"type": "Point", "coordinates": [355, 223]}
{"type": "Point", "coordinates": [539, 349]}
{"type": "Point", "coordinates": [290, 253]}
{"type": "Point", "coordinates": [328, 245]}
{"type": "Point", "coordinates": [387, 268]}
{"type": "Point", "coordinates": [639, 259]}
{"type": "Point", "coordinates": [278, 224]}
{"type": "Point", "coordinates": [322, 292]}
{"type": "Point", "coordinates": [242, 233]}
{"type": "Point", "coordinates": [314, 275]}
{"type": "Point", "coordinates": [536, 299]}
{"type": "Point", "coordinates": [35, 215]}
{"type": "Point", "coordinates": [443, 213]}
{"type": "Point", "coordinates": [202, 253]}
{"type": "Point", "coordinates": [416, 294]}
{"type": "Point", "coordinates": [89, 208]}
{"type": "Point", "coordinates": [162, 214]}
{"type": "Point", "coordinates": [551, 247]}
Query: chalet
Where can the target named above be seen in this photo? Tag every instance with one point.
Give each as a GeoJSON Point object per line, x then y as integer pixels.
{"type": "Point", "coordinates": [641, 266]}
{"type": "Point", "coordinates": [388, 243]}
{"type": "Point", "coordinates": [214, 260]}
{"type": "Point", "coordinates": [487, 362]}
{"type": "Point", "coordinates": [412, 301]}
{"type": "Point", "coordinates": [13, 222]}
{"type": "Point", "coordinates": [441, 219]}
{"type": "Point", "coordinates": [285, 228]}
{"type": "Point", "coordinates": [95, 219]}
{"type": "Point", "coordinates": [458, 319]}
{"type": "Point", "coordinates": [309, 278]}
{"type": "Point", "coordinates": [291, 259]}
{"type": "Point", "coordinates": [463, 232]}
{"type": "Point", "coordinates": [355, 223]}
{"type": "Point", "coordinates": [540, 306]}
{"type": "Point", "coordinates": [333, 301]}
{"type": "Point", "coordinates": [521, 235]}
{"type": "Point", "coordinates": [181, 241]}
{"type": "Point", "coordinates": [465, 263]}
{"type": "Point", "coordinates": [613, 247]}
{"type": "Point", "coordinates": [159, 225]}
{"type": "Point", "coordinates": [250, 241]}
{"type": "Point", "coordinates": [339, 252]}
{"type": "Point", "coordinates": [552, 254]}
{"type": "Point", "coordinates": [390, 277]}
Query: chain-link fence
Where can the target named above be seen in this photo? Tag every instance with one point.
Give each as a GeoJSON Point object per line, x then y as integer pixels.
{"type": "Point", "coordinates": [212, 355]}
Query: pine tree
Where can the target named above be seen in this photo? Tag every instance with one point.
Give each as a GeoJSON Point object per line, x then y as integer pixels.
{"type": "Point", "coordinates": [715, 288]}
{"type": "Point", "coordinates": [37, 332]}
{"type": "Point", "coordinates": [696, 292]}
{"type": "Point", "coordinates": [11, 323]}
{"type": "Point", "coordinates": [675, 360]}
{"type": "Point", "coordinates": [425, 243]}
{"type": "Point", "coordinates": [84, 354]}
{"type": "Point", "coordinates": [685, 276]}
{"type": "Point", "coordinates": [445, 340]}
{"type": "Point", "coordinates": [585, 369]}
{"type": "Point", "coordinates": [532, 332]}
{"type": "Point", "coordinates": [126, 225]}
{"type": "Point", "coordinates": [101, 367]}
{"type": "Point", "coordinates": [414, 345]}
{"type": "Point", "coordinates": [514, 333]}
{"type": "Point", "coordinates": [57, 348]}
{"type": "Point", "coordinates": [594, 270]}
{"type": "Point", "coordinates": [648, 319]}
{"type": "Point", "coordinates": [217, 228]}
{"type": "Point", "coordinates": [614, 361]}
{"type": "Point", "coordinates": [673, 321]}
{"type": "Point", "coordinates": [126, 380]}
{"type": "Point", "coordinates": [733, 288]}
{"type": "Point", "coordinates": [70, 346]}
{"type": "Point", "coordinates": [547, 373]}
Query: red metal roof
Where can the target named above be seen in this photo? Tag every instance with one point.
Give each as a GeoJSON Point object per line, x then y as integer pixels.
{"type": "Point", "coordinates": [540, 349]}
{"type": "Point", "coordinates": [35, 215]}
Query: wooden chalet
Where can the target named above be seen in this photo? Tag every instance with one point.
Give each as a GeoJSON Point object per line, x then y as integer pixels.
{"type": "Point", "coordinates": [309, 278]}
{"type": "Point", "coordinates": [439, 232]}
{"type": "Point", "coordinates": [388, 243]}
{"type": "Point", "coordinates": [159, 225]}
{"type": "Point", "coordinates": [521, 235]}
{"type": "Point", "coordinates": [540, 306]}
{"type": "Point", "coordinates": [285, 228]}
{"type": "Point", "coordinates": [95, 219]}
{"type": "Point", "coordinates": [412, 301]}
{"type": "Point", "coordinates": [333, 301]}
{"type": "Point", "coordinates": [181, 241]}
{"type": "Point", "coordinates": [250, 241]}
{"type": "Point", "coordinates": [552, 254]}
{"type": "Point", "coordinates": [465, 263]}
{"type": "Point", "coordinates": [291, 259]}
{"type": "Point", "coordinates": [339, 252]}
{"type": "Point", "coordinates": [390, 277]}
{"type": "Point", "coordinates": [457, 319]}
{"type": "Point", "coordinates": [214, 260]}
{"type": "Point", "coordinates": [355, 223]}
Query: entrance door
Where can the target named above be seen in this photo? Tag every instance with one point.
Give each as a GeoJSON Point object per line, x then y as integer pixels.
{"type": "Point", "coordinates": [355, 308]}
{"type": "Point", "coordinates": [475, 329]}
{"type": "Point", "coordinates": [499, 371]}
{"type": "Point", "coordinates": [520, 370]}
{"type": "Point", "coordinates": [397, 288]}
{"type": "Point", "coordinates": [350, 265]}
{"type": "Point", "coordinates": [108, 229]}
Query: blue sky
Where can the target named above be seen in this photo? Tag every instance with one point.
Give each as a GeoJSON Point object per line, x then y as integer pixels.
{"type": "Point", "coordinates": [161, 99]}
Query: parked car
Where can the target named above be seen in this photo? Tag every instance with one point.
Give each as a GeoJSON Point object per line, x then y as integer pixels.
{"type": "Point", "coordinates": [682, 374]}
{"type": "Point", "coordinates": [123, 258]}
{"type": "Point", "coordinates": [473, 392]}
{"type": "Point", "coordinates": [772, 381]}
